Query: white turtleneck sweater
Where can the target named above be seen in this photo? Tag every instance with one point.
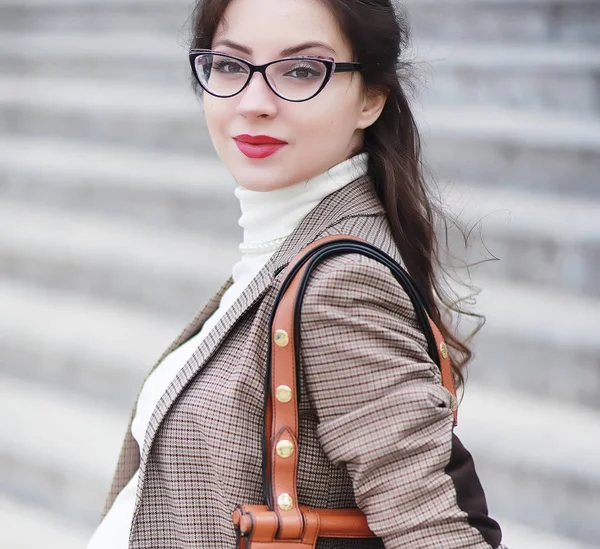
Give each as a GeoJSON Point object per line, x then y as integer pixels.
{"type": "Point", "coordinates": [267, 219]}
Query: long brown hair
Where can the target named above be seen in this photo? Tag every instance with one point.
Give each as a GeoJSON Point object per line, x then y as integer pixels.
{"type": "Point", "coordinates": [378, 34]}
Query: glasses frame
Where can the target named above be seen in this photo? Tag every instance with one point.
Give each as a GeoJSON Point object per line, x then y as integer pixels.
{"type": "Point", "coordinates": [331, 67]}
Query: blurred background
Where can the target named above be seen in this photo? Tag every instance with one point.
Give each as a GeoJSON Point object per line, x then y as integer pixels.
{"type": "Point", "coordinates": [112, 199]}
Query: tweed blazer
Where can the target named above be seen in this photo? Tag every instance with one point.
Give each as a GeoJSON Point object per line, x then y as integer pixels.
{"type": "Point", "coordinates": [375, 422]}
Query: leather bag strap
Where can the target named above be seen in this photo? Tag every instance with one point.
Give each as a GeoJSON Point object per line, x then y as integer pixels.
{"type": "Point", "coordinates": [280, 440]}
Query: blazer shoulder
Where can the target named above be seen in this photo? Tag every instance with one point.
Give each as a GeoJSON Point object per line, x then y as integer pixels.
{"type": "Point", "coordinates": [375, 229]}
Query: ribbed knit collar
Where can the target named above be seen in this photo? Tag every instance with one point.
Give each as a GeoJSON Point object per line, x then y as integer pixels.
{"type": "Point", "coordinates": [270, 215]}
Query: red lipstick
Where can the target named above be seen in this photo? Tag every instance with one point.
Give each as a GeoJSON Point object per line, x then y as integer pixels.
{"type": "Point", "coordinates": [258, 146]}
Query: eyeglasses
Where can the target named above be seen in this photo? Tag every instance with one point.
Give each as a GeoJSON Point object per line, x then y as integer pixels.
{"type": "Point", "coordinates": [291, 78]}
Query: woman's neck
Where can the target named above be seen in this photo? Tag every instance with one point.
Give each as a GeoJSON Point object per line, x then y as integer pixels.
{"type": "Point", "coordinates": [268, 217]}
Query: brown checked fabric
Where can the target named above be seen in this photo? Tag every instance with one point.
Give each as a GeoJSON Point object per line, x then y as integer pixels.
{"type": "Point", "coordinates": [375, 423]}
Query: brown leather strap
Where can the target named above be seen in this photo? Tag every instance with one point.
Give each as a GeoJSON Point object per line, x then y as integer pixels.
{"type": "Point", "coordinates": [292, 520]}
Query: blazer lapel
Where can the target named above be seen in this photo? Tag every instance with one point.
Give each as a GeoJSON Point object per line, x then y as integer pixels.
{"type": "Point", "coordinates": [257, 287]}
{"type": "Point", "coordinates": [356, 198]}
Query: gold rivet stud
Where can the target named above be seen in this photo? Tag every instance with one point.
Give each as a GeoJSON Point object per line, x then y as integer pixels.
{"type": "Point", "coordinates": [285, 448]}
{"type": "Point", "coordinates": [281, 338]}
{"type": "Point", "coordinates": [285, 502]}
{"type": "Point", "coordinates": [444, 349]}
{"type": "Point", "coordinates": [283, 393]}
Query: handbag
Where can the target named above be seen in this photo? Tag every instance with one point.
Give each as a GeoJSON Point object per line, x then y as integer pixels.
{"type": "Point", "coordinates": [281, 522]}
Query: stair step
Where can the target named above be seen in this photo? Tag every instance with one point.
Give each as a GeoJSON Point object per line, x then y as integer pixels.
{"type": "Point", "coordinates": [524, 149]}
{"type": "Point", "coordinates": [23, 526]}
{"type": "Point", "coordinates": [59, 451]}
{"type": "Point", "coordinates": [501, 147]}
{"type": "Point", "coordinates": [168, 117]}
{"type": "Point", "coordinates": [542, 77]}
{"type": "Point", "coordinates": [518, 535]}
{"type": "Point", "coordinates": [536, 460]}
{"type": "Point", "coordinates": [65, 15]}
{"type": "Point", "coordinates": [160, 189]}
{"type": "Point", "coordinates": [549, 241]}
{"type": "Point", "coordinates": [509, 20]}
{"type": "Point", "coordinates": [535, 21]}
{"type": "Point", "coordinates": [168, 272]}
{"type": "Point", "coordinates": [98, 349]}
{"type": "Point", "coordinates": [116, 54]}
{"type": "Point", "coordinates": [536, 340]}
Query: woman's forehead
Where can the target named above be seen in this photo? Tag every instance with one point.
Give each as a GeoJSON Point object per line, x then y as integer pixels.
{"type": "Point", "coordinates": [270, 27]}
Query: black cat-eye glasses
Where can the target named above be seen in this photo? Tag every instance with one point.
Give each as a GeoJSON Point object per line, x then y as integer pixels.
{"type": "Point", "coordinates": [297, 79]}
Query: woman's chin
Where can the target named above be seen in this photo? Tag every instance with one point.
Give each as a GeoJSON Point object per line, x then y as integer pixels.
{"type": "Point", "coordinates": [262, 179]}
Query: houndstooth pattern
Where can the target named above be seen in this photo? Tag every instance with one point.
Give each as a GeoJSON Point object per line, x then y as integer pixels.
{"type": "Point", "coordinates": [375, 422]}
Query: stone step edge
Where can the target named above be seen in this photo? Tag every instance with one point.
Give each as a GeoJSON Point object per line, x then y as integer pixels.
{"type": "Point", "coordinates": [24, 526]}
{"type": "Point", "coordinates": [491, 56]}
{"type": "Point", "coordinates": [44, 235]}
{"type": "Point", "coordinates": [522, 212]}
{"type": "Point", "coordinates": [546, 316]}
{"type": "Point", "coordinates": [526, 127]}
{"type": "Point", "coordinates": [90, 433]}
{"type": "Point", "coordinates": [88, 327]}
{"type": "Point", "coordinates": [413, 3]}
{"type": "Point", "coordinates": [515, 536]}
{"type": "Point", "coordinates": [509, 427]}
{"type": "Point", "coordinates": [118, 167]}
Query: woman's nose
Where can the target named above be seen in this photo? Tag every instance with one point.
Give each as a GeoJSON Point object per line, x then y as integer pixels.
{"type": "Point", "coordinates": [257, 99]}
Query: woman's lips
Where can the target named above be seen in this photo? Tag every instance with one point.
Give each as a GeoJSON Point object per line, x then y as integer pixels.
{"type": "Point", "coordinates": [258, 150]}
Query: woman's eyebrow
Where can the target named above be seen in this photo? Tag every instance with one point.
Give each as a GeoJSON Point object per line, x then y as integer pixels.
{"type": "Point", "coordinates": [285, 53]}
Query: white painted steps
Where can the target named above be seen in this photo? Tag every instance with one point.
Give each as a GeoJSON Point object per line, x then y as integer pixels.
{"type": "Point", "coordinates": [68, 340]}
{"type": "Point", "coordinates": [529, 20]}
{"type": "Point", "coordinates": [541, 77]}
{"type": "Point", "coordinates": [543, 342]}
{"type": "Point", "coordinates": [166, 271]}
{"type": "Point", "coordinates": [537, 461]}
{"type": "Point", "coordinates": [539, 238]}
{"type": "Point", "coordinates": [517, 536]}
{"type": "Point", "coordinates": [24, 526]}
{"type": "Point", "coordinates": [58, 450]}
{"type": "Point", "coordinates": [161, 189]}
{"type": "Point", "coordinates": [118, 167]}
{"type": "Point", "coordinates": [533, 21]}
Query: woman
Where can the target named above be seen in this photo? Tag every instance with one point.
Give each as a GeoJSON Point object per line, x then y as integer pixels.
{"type": "Point", "coordinates": [322, 144]}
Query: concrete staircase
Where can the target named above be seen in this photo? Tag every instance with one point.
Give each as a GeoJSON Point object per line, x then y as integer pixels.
{"type": "Point", "coordinates": [112, 199]}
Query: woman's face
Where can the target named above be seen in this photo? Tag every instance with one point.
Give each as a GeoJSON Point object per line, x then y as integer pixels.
{"type": "Point", "coordinates": [319, 132]}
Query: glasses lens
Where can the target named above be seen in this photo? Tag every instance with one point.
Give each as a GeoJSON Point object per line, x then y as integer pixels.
{"type": "Point", "coordinates": [297, 79]}
{"type": "Point", "coordinates": [221, 75]}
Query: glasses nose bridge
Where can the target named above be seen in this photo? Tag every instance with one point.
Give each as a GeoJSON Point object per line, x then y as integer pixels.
{"type": "Point", "coordinates": [262, 69]}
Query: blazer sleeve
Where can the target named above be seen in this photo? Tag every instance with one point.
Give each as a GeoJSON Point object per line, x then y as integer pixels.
{"type": "Point", "coordinates": [383, 412]}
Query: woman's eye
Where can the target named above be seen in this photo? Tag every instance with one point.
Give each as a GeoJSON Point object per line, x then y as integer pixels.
{"type": "Point", "coordinates": [229, 67]}
{"type": "Point", "coordinates": [303, 72]}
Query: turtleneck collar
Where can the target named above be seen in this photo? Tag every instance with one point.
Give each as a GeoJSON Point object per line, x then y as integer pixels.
{"type": "Point", "coordinates": [273, 215]}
